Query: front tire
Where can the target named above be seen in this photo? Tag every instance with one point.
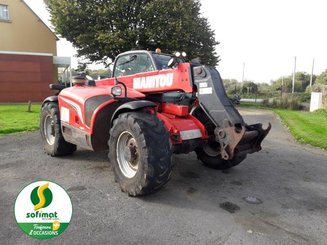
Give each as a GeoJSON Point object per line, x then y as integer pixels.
{"type": "Point", "coordinates": [50, 128]}
{"type": "Point", "coordinates": [209, 154]}
{"type": "Point", "coordinates": [215, 161]}
{"type": "Point", "coordinates": [140, 152]}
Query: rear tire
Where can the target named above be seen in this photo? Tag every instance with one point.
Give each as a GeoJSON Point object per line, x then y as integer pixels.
{"type": "Point", "coordinates": [50, 128]}
{"type": "Point", "coordinates": [140, 152]}
{"type": "Point", "coordinates": [209, 154]}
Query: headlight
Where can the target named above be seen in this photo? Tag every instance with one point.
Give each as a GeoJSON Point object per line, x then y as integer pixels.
{"type": "Point", "coordinates": [116, 91]}
{"type": "Point", "coordinates": [199, 71]}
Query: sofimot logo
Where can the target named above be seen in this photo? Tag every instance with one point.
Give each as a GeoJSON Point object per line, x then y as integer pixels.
{"type": "Point", "coordinates": [41, 197]}
{"type": "Point", "coordinates": [43, 210]}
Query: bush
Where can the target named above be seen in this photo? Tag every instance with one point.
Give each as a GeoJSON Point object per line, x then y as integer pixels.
{"type": "Point", "coordinates": [292, 103]}
{"type": "Point", "coordinates": [303, 97]}
{"type": "Point", "coordinates": [322, 112]}
{"type": "Point", "coordinates": [265, 102]}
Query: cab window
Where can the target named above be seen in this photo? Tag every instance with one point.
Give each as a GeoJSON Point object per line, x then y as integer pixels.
{"type": "Point", "coordinates": [133, 63]}
{"type": "Point", "coordinates": [161, 61]}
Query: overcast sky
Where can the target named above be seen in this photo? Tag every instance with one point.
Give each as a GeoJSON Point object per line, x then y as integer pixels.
{"type": "Point", "coordinates": [265, 35]}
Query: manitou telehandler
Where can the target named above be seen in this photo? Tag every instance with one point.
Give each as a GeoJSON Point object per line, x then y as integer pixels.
{"type": "Point", "coordinates": [154, 105]}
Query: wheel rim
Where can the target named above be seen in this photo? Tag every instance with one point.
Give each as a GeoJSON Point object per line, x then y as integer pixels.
{"type": "Point", "coordinates": [211, 149]}
{"type": "Point", "coordinates": [127, 154]}
{"type": "Point", "coordinates": [48, 128]}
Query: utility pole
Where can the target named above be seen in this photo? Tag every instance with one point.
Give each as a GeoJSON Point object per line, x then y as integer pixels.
{"type": "Point", "coordinates": [281, 89]}
{"type": "Point", "coordinates": [242, 76]}
{"type": "Point", "coordinates": [293, 83]}
{"type": "Point", "coordinates": [235, 86]}
{"type": "Point", "coordinates": [311, 77]}
{"type": "Point", "coordinates": [243, 72]}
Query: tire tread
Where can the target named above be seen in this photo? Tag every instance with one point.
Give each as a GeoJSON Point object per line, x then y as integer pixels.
{"type": "Point", "coordinates": [156, 146]}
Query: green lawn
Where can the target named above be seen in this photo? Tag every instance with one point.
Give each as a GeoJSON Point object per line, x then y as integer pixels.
{"type": "Point", "coordinates": [306, 127]}
{"type": "Point", "coordinates": [15, 118]}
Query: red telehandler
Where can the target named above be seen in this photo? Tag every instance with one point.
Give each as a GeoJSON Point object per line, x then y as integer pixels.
{"type": "Point", "coordinates": [154, 105]}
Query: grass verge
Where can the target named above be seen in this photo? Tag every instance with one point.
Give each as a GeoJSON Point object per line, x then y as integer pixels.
{"type": "Point", "coordinates": [252, 105]}
{"type": "Point", "coordinates": [306, 127]}
{"type": "Point", "coordinates": [15, 118]}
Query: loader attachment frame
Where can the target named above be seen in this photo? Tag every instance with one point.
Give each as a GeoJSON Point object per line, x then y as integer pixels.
{"type": "Point", "coordinates": [231, 132]}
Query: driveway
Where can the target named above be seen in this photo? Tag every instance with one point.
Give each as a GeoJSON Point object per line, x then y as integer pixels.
{"type": "Point", "coordinates": [198, 205]}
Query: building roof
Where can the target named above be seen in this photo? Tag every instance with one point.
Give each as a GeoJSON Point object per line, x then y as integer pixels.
{"type": "Point", "coordinates": [57, 38]}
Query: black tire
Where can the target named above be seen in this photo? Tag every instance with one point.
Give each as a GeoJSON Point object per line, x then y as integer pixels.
{"type": "Point", "coordinates": [54, 142]}
{"type": "Point", "coordinates": [213, 160]}
{"type": "Point", "coordinates": [216, 162]}
{"type": "Point", "coordinates": [145, 165]}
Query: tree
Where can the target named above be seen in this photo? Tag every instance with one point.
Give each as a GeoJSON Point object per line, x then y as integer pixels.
{"type": "Point", "coordinates": [285, 82]}
{"type": "Point", "coordinates": [322, 78]}
{"type": "Point", "coordinates": [302, 80]}
{"type": "Point", "coordinates": [264, 88]}
{"type": "Point", "coordinates": [101, 29]}
{"type": "Point", "coordinates": [99, 73]}
{"type": "Point", "coordinates": [249, 87]}
{"type": "Point", "coordinates": [232, 86]}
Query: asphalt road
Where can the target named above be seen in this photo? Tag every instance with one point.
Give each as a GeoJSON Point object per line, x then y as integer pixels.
{"type": "Point", "coordinates": [198, 205]}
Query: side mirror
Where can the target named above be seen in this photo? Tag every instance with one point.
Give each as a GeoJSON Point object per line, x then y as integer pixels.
{"type": "Point", "coordinates": [58, 87]}
{"type": "Point", "coordinates": [79, 80]}
{"type": "Point", "coordinates": [172, 62]}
